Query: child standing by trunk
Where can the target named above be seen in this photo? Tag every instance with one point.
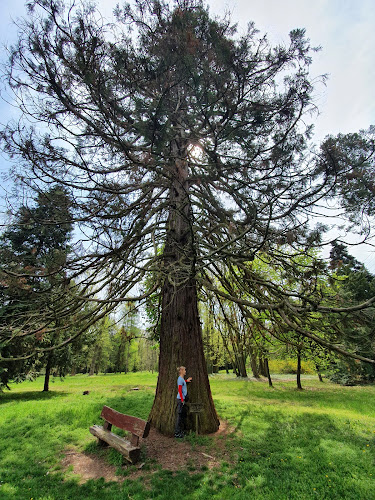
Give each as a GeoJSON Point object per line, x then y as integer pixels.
{"type": "Point", "coordinates": [181, 400]}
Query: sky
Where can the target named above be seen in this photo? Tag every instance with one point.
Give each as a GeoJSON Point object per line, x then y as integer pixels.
{"type": "Point", "coordinates": [343, 28]}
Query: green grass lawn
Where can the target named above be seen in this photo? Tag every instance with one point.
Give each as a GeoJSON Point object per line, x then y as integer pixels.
{"type": "Point", "coordinates": [318, 443]}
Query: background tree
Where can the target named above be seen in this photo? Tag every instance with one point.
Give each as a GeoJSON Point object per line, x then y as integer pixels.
{"type": "Point", "coordinates": [214, 346]}
{"type": "Point", "coordinates": [123, 345]}
{"type": "Point", "coordinates": [33, 252]}
{"type": "Point", "coordinates": [352, 281]}
{"type": "Point", "coordinates": [99, 353]}
{"type": "Point", "coordinates": [351, 158]}
{"type": "Point", "coordinates": [236, 335]}
{"type": "Point", "coordinates": [184, 145]}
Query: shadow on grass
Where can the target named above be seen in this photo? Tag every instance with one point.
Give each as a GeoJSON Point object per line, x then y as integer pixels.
{"type": "Point", "coordinates": [162, 485]}
{"type": "Point", "coordinates": [35, 471]}
{"type": "Point", "coordinates": [283, 455]}
{"type": "Point", "coordinates": [277, 454]}
{"type": "Point", "coordinates": [6, 397]}
{"type": "Point", "coordinates": [301, 455]}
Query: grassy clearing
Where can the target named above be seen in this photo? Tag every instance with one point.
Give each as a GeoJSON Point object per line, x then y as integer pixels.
{"type": "Point", "coordinates": [318, 443]}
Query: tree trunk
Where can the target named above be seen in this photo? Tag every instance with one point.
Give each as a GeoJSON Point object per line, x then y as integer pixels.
{"type": "Point", "coordinates": [181, 345]}
{"type": "Point", "coordinates": [299, 386]}
{"type": "Point", "coordinates": [241, 365]}
{"type": "Point", "coordinates": [48, 372]}
{"type": "Point", "coordinates": [181, 341]}
{"type": "Point", "coordinates": [268, 372]}
{"type": "Point", "coordinates": [209, 366]}
{"type": "Point", "coordinates": [232, 360]}
{"type": "Point", "coordinates": [236, 368]}
{"type": "Point", "coordinates": [253, 363]}
{"type": "Point", "coordinates": [92, 365]}
{"type": "Point", "coordinates": [318, 372]}
{"type": "Point", "coordinates": [262, 367]}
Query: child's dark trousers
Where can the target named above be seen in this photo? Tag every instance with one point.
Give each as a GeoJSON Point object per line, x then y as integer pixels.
{"type": "Point", "coordinates": [181, 419]}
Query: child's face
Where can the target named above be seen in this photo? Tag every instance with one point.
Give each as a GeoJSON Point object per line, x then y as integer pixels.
{"type": "Point", "coordinates": [183, 372]}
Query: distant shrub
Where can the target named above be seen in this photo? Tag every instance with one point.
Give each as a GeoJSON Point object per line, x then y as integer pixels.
{"type": "Point", "coordinates": [290, 366]}
{"type": "Point", "coordinates": [351, 372]}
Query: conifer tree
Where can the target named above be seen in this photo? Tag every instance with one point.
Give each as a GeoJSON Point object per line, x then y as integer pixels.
{"type": "Point", "coordinates": [185, 147]}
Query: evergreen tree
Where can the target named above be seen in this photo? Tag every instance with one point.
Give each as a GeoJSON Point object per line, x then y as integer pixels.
{"type": "Point", "coordinates": [33, 252]}
{"type": "Point", "coordinates": [350, 158]}
{"type": "Point", "coordinates": [184, 146]}
{"type": "Point", "coordinates": [352, 281]}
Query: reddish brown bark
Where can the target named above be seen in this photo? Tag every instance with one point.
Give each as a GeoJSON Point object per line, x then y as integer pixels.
{"type": "Point", "coordinates": [180, 333]}
{"type": "Point", "coordinates": [181, 344]}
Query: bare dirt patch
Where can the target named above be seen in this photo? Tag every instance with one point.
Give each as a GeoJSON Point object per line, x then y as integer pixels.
{"type": "Point", "coordinates": [167, 452]}
{"type": "Point", "coordinates": [89, 467]}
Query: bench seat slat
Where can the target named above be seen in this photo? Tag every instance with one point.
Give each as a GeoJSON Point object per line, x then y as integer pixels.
{"type": "Point", "coordinates": [130, 452]}
{"type": "Point", "coordinates": [135, 425]}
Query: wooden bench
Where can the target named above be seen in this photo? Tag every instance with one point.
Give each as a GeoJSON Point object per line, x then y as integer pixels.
{"type": "Point", "coordinates": [139, 429]}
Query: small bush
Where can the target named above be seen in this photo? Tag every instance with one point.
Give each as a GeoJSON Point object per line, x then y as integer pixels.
{"type": "Point", "coordinates": [290, 366]}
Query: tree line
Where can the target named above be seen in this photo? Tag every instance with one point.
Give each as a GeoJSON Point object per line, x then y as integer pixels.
{"type": "Point", "coordinates": [116, 343]}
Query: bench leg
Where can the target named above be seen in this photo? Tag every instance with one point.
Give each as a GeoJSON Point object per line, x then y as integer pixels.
{"type": "Point", "coordinates": [107, 427]}
{"type": "Point", "coordinates": [102, 443]}
{"type": "Point", "coordinates": [134, 440]}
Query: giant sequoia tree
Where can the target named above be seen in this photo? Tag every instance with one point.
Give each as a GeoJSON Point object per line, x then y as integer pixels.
{"type": "Point", "coordinates": [184, 146]}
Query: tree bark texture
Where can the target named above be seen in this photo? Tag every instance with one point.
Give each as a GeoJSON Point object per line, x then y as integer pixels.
{"type": "Point", "coordinates": [181, 344]}
{"type": "Point", "coordinates": [241, 364]}
{"type": "Point", "coordinates": [181, 341]}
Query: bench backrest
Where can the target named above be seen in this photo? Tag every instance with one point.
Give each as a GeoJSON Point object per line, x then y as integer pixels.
{"type": "Point", "coordinates": [135, 425]}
